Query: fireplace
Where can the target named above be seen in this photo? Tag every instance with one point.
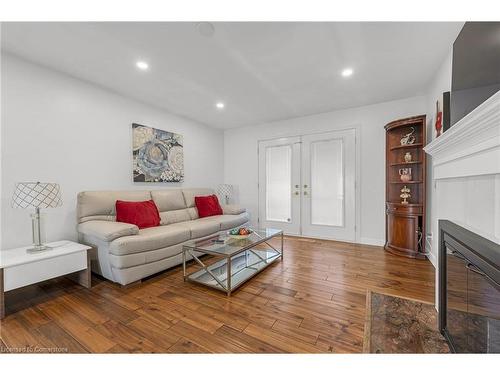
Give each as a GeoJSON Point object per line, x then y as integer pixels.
{"type": "Point", "coordinates": [465, 190]}
{"type": "Point", "coordinates": [469, 289]}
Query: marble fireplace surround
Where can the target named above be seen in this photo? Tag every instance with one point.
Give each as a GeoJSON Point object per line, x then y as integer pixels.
{"type": "Point", "coordinates": [465, 181]}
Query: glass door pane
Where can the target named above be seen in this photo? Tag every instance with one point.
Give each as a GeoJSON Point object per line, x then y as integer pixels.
{"type": "Point", "coordinates": [327, 182]}
{"type": "Point", "coordinates": [456, 299]}
{"type": "Point", "coordinates": [278, 183]}
{"type": "Point", "coordinates": [483, 303]}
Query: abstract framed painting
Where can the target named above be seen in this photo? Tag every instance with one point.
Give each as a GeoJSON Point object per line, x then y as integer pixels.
{"type": "Point", "coordinates": [158, 155]}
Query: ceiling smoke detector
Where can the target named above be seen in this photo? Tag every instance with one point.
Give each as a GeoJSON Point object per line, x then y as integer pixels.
{"type": "Point", "coordinates": [205, 28]}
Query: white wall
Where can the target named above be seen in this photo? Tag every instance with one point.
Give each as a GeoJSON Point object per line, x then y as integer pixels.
{"type": "Point", "coordinates": [57, 128]}
{"type": "Point", "coordinates": [241, 165]}
{"type": "Point", "coordinates": [441, 82]}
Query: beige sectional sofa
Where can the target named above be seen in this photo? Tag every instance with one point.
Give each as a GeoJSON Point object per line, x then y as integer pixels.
{"type": "Point", "coordinates": [125, 253]}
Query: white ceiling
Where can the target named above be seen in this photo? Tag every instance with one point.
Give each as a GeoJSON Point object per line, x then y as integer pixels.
{"type": "Point", "coordinates": [262, 71]}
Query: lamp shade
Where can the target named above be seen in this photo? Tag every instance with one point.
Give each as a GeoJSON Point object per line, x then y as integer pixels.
{"type": "Point", "coordinates": [36, 195]}
{"type": "Point", "coordinates": [225, 190]}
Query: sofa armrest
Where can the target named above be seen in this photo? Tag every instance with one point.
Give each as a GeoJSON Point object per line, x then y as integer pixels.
{"type": "Point", "coordinates": [107, 230]}
{"type": "Point", "coordinates": [232, 209]}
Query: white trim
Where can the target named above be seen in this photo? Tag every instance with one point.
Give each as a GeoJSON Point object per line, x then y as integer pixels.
{"type": "Point", "coordinates": [432, 258]}
{"type": "Point", "coordinates": [471, 147]}
{"type": "Point", "coordinates": [371, 241]}
{"type": "Point", "coordinates": [362, 241]}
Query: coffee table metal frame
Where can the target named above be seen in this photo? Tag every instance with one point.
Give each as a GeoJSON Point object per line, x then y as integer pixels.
{"type": "Point", "coordinates": [227, 287]}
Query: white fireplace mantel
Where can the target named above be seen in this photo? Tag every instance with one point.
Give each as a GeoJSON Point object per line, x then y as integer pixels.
{"type": "Point", "coordinates": [466, 175]}
{"type": "Point", "coordinates": [471, 147]}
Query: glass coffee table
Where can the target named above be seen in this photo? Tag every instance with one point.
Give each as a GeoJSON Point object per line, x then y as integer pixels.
{"type": "Point", "coordinates": [241, 259]}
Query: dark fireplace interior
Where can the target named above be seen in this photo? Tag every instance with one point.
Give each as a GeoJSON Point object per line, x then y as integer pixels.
{"type": "Point", "coordinates": [469, 290]}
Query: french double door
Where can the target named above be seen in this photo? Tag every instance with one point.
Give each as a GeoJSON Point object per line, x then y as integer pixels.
{"type": "Point", "coordinates": [307, 185]}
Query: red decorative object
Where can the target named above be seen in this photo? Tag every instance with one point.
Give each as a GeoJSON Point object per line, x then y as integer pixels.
{"type": "Point", "coordinates": [439, 120]}
{"type": "Point", "coordinates": [143, 214]}
{"type": "Point", "coordinates": [208, 205]}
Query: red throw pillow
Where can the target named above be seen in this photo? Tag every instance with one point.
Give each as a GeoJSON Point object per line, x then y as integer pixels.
{"type": "Point", "coordinates": [208, 206]}
{"type": "Point", "coordinates": [143, 214]}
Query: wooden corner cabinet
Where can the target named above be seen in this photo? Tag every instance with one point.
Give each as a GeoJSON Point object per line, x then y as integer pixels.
{"type": "Point", "coordinates": [405, 187]}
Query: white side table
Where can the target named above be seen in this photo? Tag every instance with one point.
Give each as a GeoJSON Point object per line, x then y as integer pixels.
{"type": "Point", "coordinates": [19, 268]}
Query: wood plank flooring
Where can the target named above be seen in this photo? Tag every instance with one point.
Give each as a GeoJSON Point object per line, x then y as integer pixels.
{"type": "Point", "coordinates": [314, 301]}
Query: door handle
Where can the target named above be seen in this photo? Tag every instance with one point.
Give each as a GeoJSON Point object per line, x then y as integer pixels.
{"type": "Point", "coordinates": [305, 186]}
{"type": "Point", "coordinates": [305, 192]}
{"type": "Point", "coordinates": [296, 193]}
{"type": "Point", "coordinates": [297, 186]}
{"type": "Point", "coordinates": [473, 268]}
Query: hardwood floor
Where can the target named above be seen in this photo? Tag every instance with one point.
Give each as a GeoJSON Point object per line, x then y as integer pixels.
{"type": "Point", "coordinates": [314, 301]}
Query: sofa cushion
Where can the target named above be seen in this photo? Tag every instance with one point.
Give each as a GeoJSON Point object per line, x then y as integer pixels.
{"type": "Point", "coordinates": [193, 213]}
{"type": "Point", "coordinates": [209, 219]}
{"type": "Point", "coordinates": [231, 221]}
{"type": "Point", "coordinates": [98, 217]}
{"type": "Point", "coordinates": [200, 228]}
{"type": "Point", "coordinates": [132, 260]}
{"type": "Point", "coordinates": [150, 239]}
{"type": "Point", "coordinates": [176, 216]}
{"type": "Point", "coordinates": [168, 200]}
{"type": "Point", "coordinates": [232, 209]}
{"type": "Point", "coordinates": [107, 230]}
{"type": "Point", "coordinates": [92, 203]}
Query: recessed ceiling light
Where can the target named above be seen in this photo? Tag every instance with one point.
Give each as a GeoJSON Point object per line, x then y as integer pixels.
{"type": "Point", "coordinates": [347, 72]}
{"type": "Point", "coordinates": [220, 105]}
{"type": "Point", "coordinates": [142, 65]}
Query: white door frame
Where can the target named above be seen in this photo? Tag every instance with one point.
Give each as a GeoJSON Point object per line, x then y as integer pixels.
{"type": "Point", "coordinates": [357, 203]}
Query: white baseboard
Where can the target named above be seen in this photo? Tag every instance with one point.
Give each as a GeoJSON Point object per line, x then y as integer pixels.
{"type": "Point", "coordinates": [371, 241]}
{"type": "Point", "coordinates": [362, 240]}
{"type": "Point", "coordinates": [433, 259]}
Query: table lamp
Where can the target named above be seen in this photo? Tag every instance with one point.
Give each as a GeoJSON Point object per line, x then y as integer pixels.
{"type": "Point", "coordinates": [225, 191]}
{"type": "Point", "coordinates": [37, 195]}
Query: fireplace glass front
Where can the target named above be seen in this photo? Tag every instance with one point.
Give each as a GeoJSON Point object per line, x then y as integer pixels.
{"type": "Point", "coordinates": [470, 296]}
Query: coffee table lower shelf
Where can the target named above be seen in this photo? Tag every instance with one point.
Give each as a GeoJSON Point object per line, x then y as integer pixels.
{"type": "Point", "coordinates": [241, 267]}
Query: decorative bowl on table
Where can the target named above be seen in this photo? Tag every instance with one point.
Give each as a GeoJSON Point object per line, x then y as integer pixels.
{"type": "Point", "coordinates": [240, 233]}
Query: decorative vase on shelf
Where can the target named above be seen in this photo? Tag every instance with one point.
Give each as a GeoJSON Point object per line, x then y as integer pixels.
{"type": "Point", "coordinates": [408, 157]}
{"type": "Point", "coordinates": [409, 138]}
{"type": "Point", "coordinates": [405, 194]}
{"type": "Point", "coordinates": [405, 174]}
